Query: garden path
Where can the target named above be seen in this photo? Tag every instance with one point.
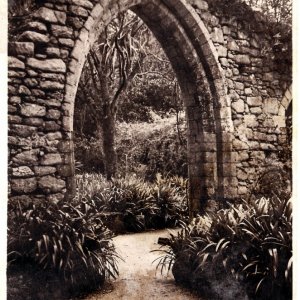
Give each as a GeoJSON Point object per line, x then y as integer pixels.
{"type": "Point", "coordinates": [138, 277]}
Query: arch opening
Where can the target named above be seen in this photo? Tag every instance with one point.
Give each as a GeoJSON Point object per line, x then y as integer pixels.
{"type": "Point", "coordinates": [191, 53]}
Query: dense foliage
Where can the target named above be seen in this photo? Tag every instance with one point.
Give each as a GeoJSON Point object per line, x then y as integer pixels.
{"type": "Point", "coordinates": [66, 240]}
{"type": "Point", "coordinates": [239, 252]}
{"type": "Point", "coordinates": [142, 148]}
{"type": "Point", "coordinates": [137, 204]}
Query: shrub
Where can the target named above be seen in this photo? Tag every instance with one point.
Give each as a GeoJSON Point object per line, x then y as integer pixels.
{"type": "Point", "coordinates": [150, 148]}
{"type": "Point", "coordinates": [239, 252]}
{"type": "Point", "coordinates": [140, 204]}
{"type": "Point", "coordinates": [89, 154]}
{"type": "Point", "coordinates": [69, 241]}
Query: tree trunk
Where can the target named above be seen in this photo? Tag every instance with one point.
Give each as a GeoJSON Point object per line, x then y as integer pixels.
{"type": "Point", "coordinates": [109, 129]}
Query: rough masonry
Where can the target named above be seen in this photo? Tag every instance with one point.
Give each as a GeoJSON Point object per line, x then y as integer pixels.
{"type": "Point", "coordinates": [235, 81]}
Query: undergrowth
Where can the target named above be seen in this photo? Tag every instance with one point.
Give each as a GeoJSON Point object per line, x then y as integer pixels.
{"type": "Point", "coordinates": [139, 204]}
{"type": "Point", "coordinates": [242, 252]}
{"type": "Point", "coordinates": [64, 243]}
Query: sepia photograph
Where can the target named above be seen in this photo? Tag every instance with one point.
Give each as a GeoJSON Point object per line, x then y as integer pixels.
{"type": "Point", "coordinates": [149, 150]}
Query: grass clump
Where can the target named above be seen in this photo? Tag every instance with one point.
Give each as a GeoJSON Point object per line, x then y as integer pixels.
{"type": "Point", "coordinates": [140, 204]}
{"type": "Point", "coordinates": [63, 247]}
{"type": "Point", "coordinates": [242, 252]}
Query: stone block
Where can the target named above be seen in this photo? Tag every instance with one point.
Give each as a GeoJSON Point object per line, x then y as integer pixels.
{"type": "Point", "coordinates": [51, 184]}
{"type": "Point", "coordinates": [255, 110]}
{"type": "Point", "coordinates": [271, 106]}
{"type": "Point", "coordinates": [254, 101]}
{"type": "Point", "coordinates": [22, 130]}
{"type": "Point", "coordinates": [239, 85]}
{"type": "Point", "coordinates": [53, 52]}
{"type": "Point", "coordinates": [54, 136]}
{"type": "Point", "coordinates": [242, 156]}
{"type": "Point", "coordinates": [44, 170]}
{"type": "Point", "coordinates": [21, 48]}
{"type": "Point", "coordinates": [15, 100]}
{"type": "Point", "coordinates": [250, 121]}
{"type": "Point", "coordinates": [238, 106]}
{"type": "Point", "coordinates": [257, 155]}
{"type": "Point", "coordinates": [222, 51]}
{"type": "Point", "coordinates": [254, 43]}
{"type": "Point", "coordinates": [84, 3]}
{"type": "Point", "coordinates": [78, 11]}
{"type": "Point", "coordinates": [229, 156]}
{"type": "Point", "coordinates": [242, 59]}
{"type": "Point", "coordinates": [31, 82]}
{"type": "Point", "coordinates": [265, 146]}
{"type": "Point", "coordinates": [18, 74]}
{"type": "Point", "coordinates": [271, 138]}
{"type": "Point", "coordinates": [23, 185]}
{"type": "Point", "coordinates": [268, 77]}
{"type": "Point", "coordinates": [51, 159]}
{"type": "Point", "coordinates": [51, 85]}
{"type": "Point", "coordinates": [242, 190]}
{"type": "Point", "coordinates": [279, 121]}
{"type": "Point", "coordinates": [61, 31]}
{"type": "Point", "coordinates": [37, 26]}
{"type": "Point", "coordinates": [13, 119]}
{"type": "Point", "coordinates": [34, 121]}
{"type": "Point", "coordinates": [76, 22]}
{"type": "Point", "coordinates": [65, 170]}
{"type": "Point", "coordinates": [23, 171]}
{"type": "Point", "coordinates": [32, 36]}
{"type": "Point", "coordinates": [32, 110]}
{"type": "Point", "coordinates": [217, 35]}
{"type": "Point", "coordinates": [53, 114]}
{"type": "Point", "coordinates": [54, 77]}
{"type": "Point", "coordinates": [248, 91]}
{"type": "Point", "coordinates": [239, 145]}
{"type": "Point", "coordinates": [26, 158]}
{"type": "Point", "coordinates": [51, 65]}
{"type": "Point", "coordinates": [14, 63]}
{"type": "Point", "coordinates": [232, 45]}
{"type": "Point", "coordinates": [23, 90]}
{"type": "Point", "coordinates": [241, 175]}
{"type": "Point", "coordinates": [259, 136]}
{"type": "Point", "coordinates": [12, 90]}
{"type": "Point", "coordinates": [52, 126]}
{"type": "Point", "coordinates": [50, 15]}
{"type": "Point", "coordinates": [67, 123]}
{"type": "Point", "coordinates": [66, 42]}
{"type": "Point", "coordinates": [200, 4]}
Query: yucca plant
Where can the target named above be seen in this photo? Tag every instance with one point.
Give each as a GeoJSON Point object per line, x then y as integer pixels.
{"type": "Point", "coordinates": [70, 241]}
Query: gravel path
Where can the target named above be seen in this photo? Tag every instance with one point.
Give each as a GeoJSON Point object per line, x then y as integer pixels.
{"type": "Point", "coordinates": [138, 277]}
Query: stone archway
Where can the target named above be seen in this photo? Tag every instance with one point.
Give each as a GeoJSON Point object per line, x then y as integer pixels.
{"type": "Point", "coordinates": [192, 54]}
{"type": "Point", "coordinates": [232, 88]}
{"type": "Point", "coordinates": [199, 75]}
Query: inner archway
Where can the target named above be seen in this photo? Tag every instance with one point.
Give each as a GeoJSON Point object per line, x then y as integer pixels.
{"type": "Point", "coordinates": [186, 43]}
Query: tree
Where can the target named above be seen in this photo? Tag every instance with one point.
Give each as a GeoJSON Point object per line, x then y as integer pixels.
{"type": "Point", "coordinates": [111, 65]}
{"type": "Point", "coordinates": [125, 69]}
{"type": "Point", "coordinates": [279, 11]}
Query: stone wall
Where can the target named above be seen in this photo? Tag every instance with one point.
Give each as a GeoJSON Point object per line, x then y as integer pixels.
{"type": "Point", "coordinates": [258, 76]}
{"type": "Point", "coordinates": [234, 92]}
